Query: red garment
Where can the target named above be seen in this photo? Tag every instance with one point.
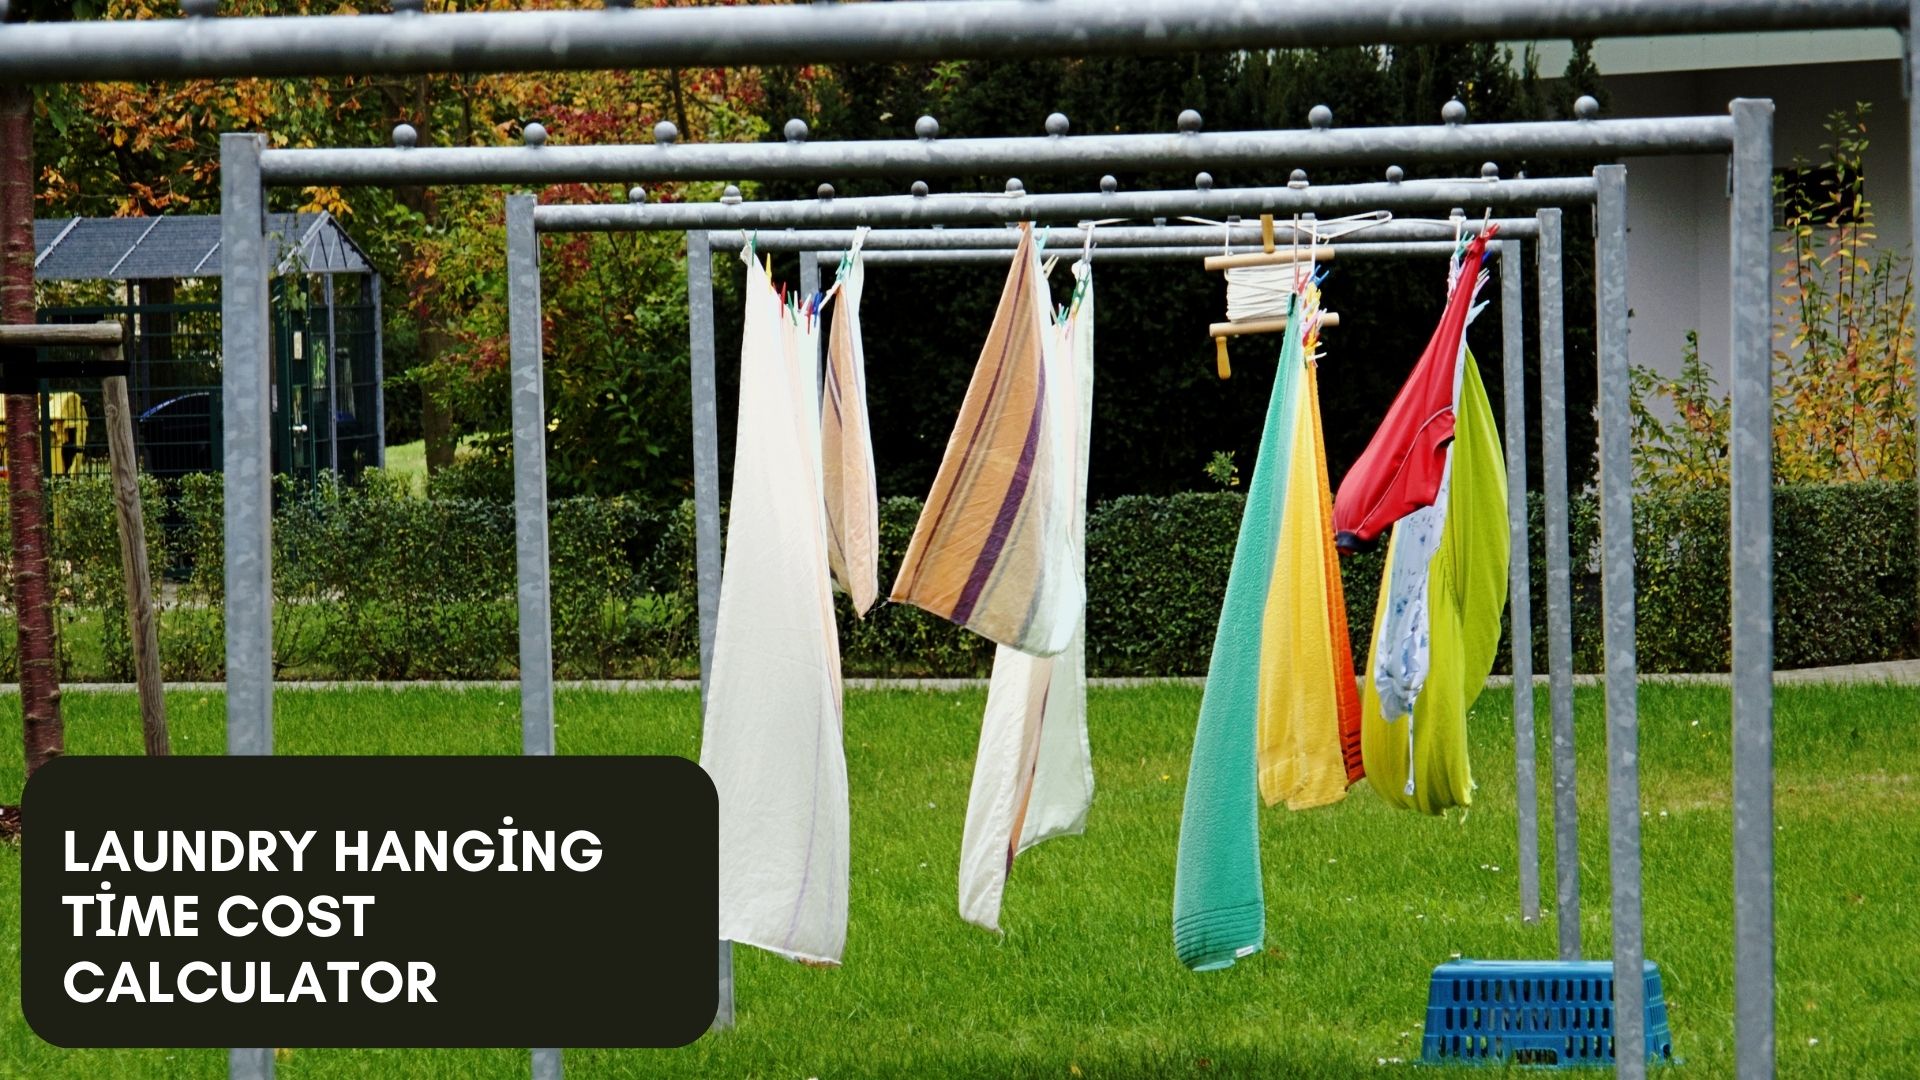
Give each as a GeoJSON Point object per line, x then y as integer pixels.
{"type": "Point", "coordinates": [1400, 470]}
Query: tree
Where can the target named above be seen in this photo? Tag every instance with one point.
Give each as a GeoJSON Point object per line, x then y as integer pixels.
{"type": "Point", "coordinates": [43, 733]}
{"type": "Point", "coordinates": [1843, 386]}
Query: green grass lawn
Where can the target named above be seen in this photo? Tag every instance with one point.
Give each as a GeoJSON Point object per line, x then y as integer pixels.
{"type": "Point", "coordinates": [1362, 901]}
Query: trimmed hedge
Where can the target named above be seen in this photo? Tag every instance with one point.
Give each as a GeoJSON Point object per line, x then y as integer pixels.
{"type": "Point", "coordinates": [371, 582]}
{"type": "Point", "coordinates": [1845, 569]}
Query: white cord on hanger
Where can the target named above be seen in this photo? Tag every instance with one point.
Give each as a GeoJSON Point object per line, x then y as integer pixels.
{"type": "Point", "coordinates": [1260, 292]}
{"type": "Point", "coordinates": [1266, 292]}
{"type": "Point", "coordinates": [1330, 228]}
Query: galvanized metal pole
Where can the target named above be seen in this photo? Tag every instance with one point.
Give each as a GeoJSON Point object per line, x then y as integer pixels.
{"type": "Point", "coordinates": [1616, 576]}
{"type": "Point", "coordinates": [706, 447]}
{"type": "Point", "coordinates": [901, 210]}
{"type": "Point", "coordinates": [379, 377]}
{"type": "Point", "coordinates": [1554, 506]}
{"type": "Point", "coordinates": [529, 418]}
{"type": "Point", "coordinates": [809, 273]}
{"type": "Point", "coordinates": [809, 288]}
{"type": "Point", "coordinates": [945, 256]}
{"type": "Point", "coordinates": [1001, 156]}
{"type": "Point", "coordinates": [414, 43]}
{"type": "Point", "coordinates": [1111, 237]}
{"type": "Point", "coordinates": [245, 406]}
{"type": "Point", "coordinates": [1751, 466]}
{"type": "Point", "coordinates": [1519, 617]}
{"type": "Point", "coordinates": [706, 509]}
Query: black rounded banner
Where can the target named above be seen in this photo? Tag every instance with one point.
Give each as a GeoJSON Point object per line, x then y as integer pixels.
{"type": "Point", "coordinates": [369, 901]}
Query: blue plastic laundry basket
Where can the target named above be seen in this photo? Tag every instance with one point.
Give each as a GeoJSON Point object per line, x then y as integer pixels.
{"type": "Point", "coordinates": [1556, 1014]}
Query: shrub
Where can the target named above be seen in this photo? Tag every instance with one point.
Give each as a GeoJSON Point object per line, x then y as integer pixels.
{"type": "Point", "coordinates": [898, 640]}
{"type": "Point", "coordinates": [371, 582]}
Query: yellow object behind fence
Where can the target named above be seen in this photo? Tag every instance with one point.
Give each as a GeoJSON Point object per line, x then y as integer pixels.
{"type": "Point", "coordinates": [66, 414]}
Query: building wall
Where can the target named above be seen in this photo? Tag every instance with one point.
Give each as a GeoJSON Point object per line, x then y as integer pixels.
{"type": "Point", "coordinates": [1677, 207]}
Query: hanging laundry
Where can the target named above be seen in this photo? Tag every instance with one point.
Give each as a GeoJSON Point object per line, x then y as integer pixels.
{"type": "Point", "coordinates": [1345, 688]}
{"type": "Point", "coordinates": [1400, 470]}
{"type": "Point", "coordinates": [1464, 590]}
{"type": "Point", "coordinates": [1306, 697]}
{"type": "Point", "coordinates": [853, 503]}
{"type": "Point", "coordinates": [991, 550]}
{"type": "Point", "coordinates": [772, 737]}
{"type": "Point", "coordinates": [1219, 907]}
{"type": "Point", "coordinates": [1401, 643]}
{"type": "Point", "coordinates": [1033, 772]}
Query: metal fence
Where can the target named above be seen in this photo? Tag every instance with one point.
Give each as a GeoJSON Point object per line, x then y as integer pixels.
{"type": "Point", "coordinates": [326, 394]}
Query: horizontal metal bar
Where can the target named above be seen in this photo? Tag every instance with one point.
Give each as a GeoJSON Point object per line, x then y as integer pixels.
{"type": "Point", "coordinates": [1012, 156]}
{"type": "Point", "coordinates": [1195, 253]}
{"type": "Point", "coordinates": [977, 209]}
{"type": "Point", "coordinates": [1106, 236]}
{"type": "Point", "coordinates": [825, 32]}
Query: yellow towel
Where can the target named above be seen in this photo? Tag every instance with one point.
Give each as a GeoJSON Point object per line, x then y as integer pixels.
{"type": "Point", "coordinates": [1299, 703]}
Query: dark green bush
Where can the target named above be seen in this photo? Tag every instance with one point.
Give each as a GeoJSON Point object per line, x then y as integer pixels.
{"type": "Point", "coordinates": [474, 476]}
{"type": "Point", "coordinates": [898, 640]}
{"type": "Point", "coordinates": [1844, 577]}
{"type": "Point", "coordinates": [1156, 573]}
{"type": "Point", "coordinates": [372, 582]}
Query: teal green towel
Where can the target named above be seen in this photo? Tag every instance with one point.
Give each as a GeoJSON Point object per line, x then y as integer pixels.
{"type": "Point", "coordinates": [1219, 909]}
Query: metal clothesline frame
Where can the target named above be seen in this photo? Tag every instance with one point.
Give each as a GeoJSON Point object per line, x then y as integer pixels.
{"type": "Point", "coordinates": [821, 33]}
{"type": "Point", "coordinates": [947, 245]}
{"type": "Point", "coordinates": [246, 164]}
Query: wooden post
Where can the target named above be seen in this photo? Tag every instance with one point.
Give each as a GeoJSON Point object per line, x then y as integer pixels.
{"type": "Point", "coordinates": [142, 620]}
{"type": "Point", "coordinates": [125, 470]}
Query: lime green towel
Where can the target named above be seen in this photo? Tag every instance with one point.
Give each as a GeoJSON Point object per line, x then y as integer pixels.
{"type": "Point", "coordinates": [1219, 909]}
{"type": "Point", "coordinates": [1466, 593]}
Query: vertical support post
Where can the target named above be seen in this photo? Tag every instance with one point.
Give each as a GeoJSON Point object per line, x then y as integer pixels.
{"type": "Point", "coordinates": [706, 445]}
{"type": "Point", "coordinates": [529, 419]}
{"type": "Point", "coordinates": [332, 398]}
{"type": "Point", "coordinates": [379, 377]}
{"type": "Point", "coordinates": [809, 273]}
{"type": "Point", "coordinates": [1554, 501]}
{"type": "Point", "coordinates": [250, 1064]}
{"type": "Point", "coordinates": [1751, 465]}
{"type": "Point", "coordinates": [1616, 577]}
{"type": "Point", "coordinates": [529, 477]}
{"type": "Point", "coordinates": [706, 506]}
{"type": "Point", "coordinates": [1520, 618]}
{"type": "Point", "coordinates": [142, 631]}
{"type": "Point", "coordinates": [247, 458]}
{"type": "Point", "coordinates": [810, 287]}
{"type": "Point", "coordinates": [246, 386]}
